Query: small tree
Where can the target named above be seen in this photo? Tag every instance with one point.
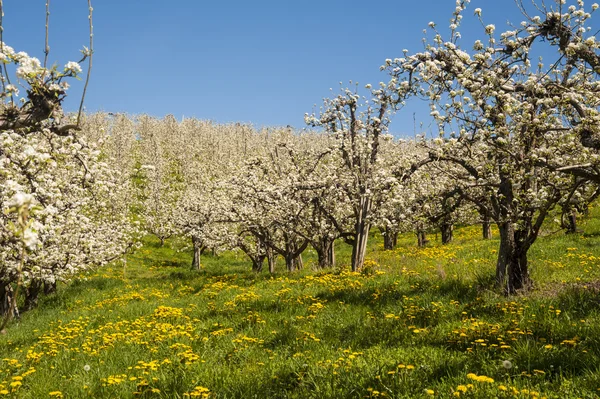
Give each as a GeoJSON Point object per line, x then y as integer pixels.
{"type": "Point", "coordinates": [357, 125]}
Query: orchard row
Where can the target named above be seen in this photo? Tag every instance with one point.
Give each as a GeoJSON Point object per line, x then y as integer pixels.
{"type": "Point", "coordinates": [516, 140]}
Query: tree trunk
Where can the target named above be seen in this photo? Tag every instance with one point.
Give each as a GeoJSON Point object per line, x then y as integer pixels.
{"type": "Point", "coordinates": [390, 239]}
{"type": "Point", "coordinates": [49, 288]}
{"type": "Point", "coordinates": [325, 252]}
{"type": "Point", "coordinates": [511, 269]}
{"type": "Point", "coordinates": [293, 262]}
{"type": "Point", "coordinates": [292, 252]}
{"type": "Point", "coordinates": [359, 249]}
{"type": "Point", "coordinates": [571, 221]}
{"type": "Point", "coordinates": [290, 262]}
{"type": "Point", "coordinates": [361, 236]}
{"type": "Point", "coordinates": [257, 263]}
{"type": "Point", "coordinates": [32, 293]}
{"type": "Point", "coordinates": [196, 243]}
{"type": "Point", "coordinates": [486, 229]}
{"type": "Point", "coordinates": [299, 262]}
{"type": "Point", "coordinates": [6, 293]}
{"type": "Point", "coordinates": [421, 238]}
{"type": "Point", "coordinates": [162, 241]}
{"type": "Point", "coordinates": [331, 254]}
{"type": "Point", "coordinates": [447, 230]}
{"type": "Point", "coordinates": [271, 260]}
{"type": "Point", "coordinates": [486, 223]}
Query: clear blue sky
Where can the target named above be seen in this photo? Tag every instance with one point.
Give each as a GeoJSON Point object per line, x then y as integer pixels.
{"type": "Point", "coordinates": [262, 62]}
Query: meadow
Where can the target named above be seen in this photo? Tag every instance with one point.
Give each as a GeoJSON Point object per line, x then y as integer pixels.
{"type": "Point", "coordinates": [416, 322]}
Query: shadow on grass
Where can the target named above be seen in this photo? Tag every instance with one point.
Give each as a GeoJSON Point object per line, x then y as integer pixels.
{"type": "Point", "coordinates": [581, 299]}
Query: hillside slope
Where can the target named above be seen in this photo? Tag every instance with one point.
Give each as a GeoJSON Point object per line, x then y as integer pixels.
{"type": "Point", "coordinates": [416, 323]}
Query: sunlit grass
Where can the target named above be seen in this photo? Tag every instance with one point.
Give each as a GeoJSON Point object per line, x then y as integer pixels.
{"type": "Point", "coordinates": [417, 322]}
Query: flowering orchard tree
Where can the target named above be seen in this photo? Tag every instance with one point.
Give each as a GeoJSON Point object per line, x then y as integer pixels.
{"type": "Point", "coordinates": [307, 178]}
{"type": "Point", "coordinates": [316, 187]}
{"type": "Point", "coordinates": [64, 208]}
{"type": "Point", "coordinates": [512, 127]}
{"type": "Point", "coordinates": [267, 208]}
{"type": "Point", "coordinates": [86, 222]}
{"type": "Point", "coordinates": [201, 214]}
{"type": "Point", "coordinates": [204, 157]}
{"type": "Point", "coordinates": [583, 193]}
{"type": "Point", "coordinates": [421, 196]}
{"type": "Point", "coordinates": [162, 180]}
{"type": "Point", "coordinates": [359, 126]}
{"type": "Point", "coordinates": [117, 138]}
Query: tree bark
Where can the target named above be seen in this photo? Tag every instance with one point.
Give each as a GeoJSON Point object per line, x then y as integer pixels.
{"type": "Point", "coordinates": [571, 215]}
{"type": "Point", "coordinates": [299, 262]}
{"type": "Point", "coordinates": [257, 263]}
{"type": "Point", "coordinates": [6, 293]}
{"type": "Point", "coordinates": [511, 269]}
{"type": "Point", "coordinates": [197, 244]}
{"type": "Point", "coordinates": [361, 234]}
{"type": "Point", "coordinates": [331, 254]}
{"type": "Point", "coordinates": [486, 227]}
{"type": "Point", "coordinates": [49, 288]}
{"type": "Point", "coordinates": [325, 252]}
{"type": "Point", "coordinates": [390, 239]}
{"type": "Point", "coordinates": [293, 262]}
{"type": "Point", "coordinates": [573, 222]}
{"type": "Point", "coordinates": [271, 260]}
{"type": "Point", "coordinates": [447, 230]}
{"type": "Point", "coordinates": [292, 251]}
{"type": "Point", "coordinates": [421, 238]}
{"type": "Point", "coordinates": [290, 264]}
{"type": "Point", "coordinates": [32, 293]}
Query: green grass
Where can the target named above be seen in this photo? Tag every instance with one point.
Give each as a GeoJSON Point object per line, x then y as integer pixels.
{"type": "Point", "coordinates": [416, 323]}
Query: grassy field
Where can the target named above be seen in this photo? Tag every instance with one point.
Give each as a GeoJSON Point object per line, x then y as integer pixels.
{"type": "Point", "coordinates": [416, 323]}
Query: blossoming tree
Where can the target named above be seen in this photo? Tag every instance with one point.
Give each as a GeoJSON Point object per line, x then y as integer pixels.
{"type": "Point", "coordinates": [512, 127]}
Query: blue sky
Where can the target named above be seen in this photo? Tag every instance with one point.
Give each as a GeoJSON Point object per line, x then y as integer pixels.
{"type": "Point", "coordinates": [260, 62]}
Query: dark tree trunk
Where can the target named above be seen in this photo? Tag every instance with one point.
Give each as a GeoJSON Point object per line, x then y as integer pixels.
{"type": "Point", "coordinates": [361, 234]}
{"type": "Point", "coordinates": [487, 230]}
{"type": "Point", "coordinates": [511, 269]}
{"type": "Point", "coordinates": [162, 241]}
{"type": "Point", "coordinates": [290, 263]}
{"type": "Point", "coordinates": [198, 248]}
{"type": "Point", "coordinates": [486, 222]}
{"type": "Point", "coordinates": [6, 298]}
{"type": "Point", "coordinates": [292, 252]}
{"type": "Point", "coordinates": [571, 224]}
{"type": "Point", "coordinates": [390, 239]}
{"type": "Point", "coordinates": [257, 263]}
{"type": "Point", "coordinates": [49, 288]}
{"type": "Point", "coordinates": [572, 217]}
{"type": "Point", "coordinates": [32, 293]}
{"type": "Point", "coordinates": [447, 230]}
{"type": "Point", "coordinates": [293, 261]}
{"type": "Point", "coordinates": [421, 238]}
{"type": "Point", "coordinates": [257, 256]}
{"type": "Point", "coordinates": [325, 252]}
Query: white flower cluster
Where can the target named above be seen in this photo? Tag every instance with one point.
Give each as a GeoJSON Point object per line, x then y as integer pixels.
{"type": "Point", "coordinates": [61, 203]}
